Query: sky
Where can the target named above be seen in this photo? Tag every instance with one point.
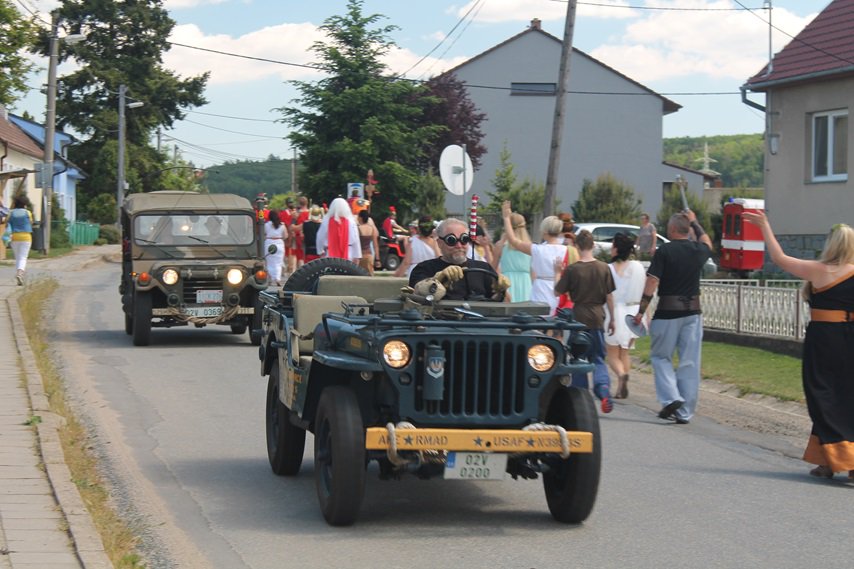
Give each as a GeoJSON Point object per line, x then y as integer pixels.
{"type": "Point", "coordinates": [682, 49]}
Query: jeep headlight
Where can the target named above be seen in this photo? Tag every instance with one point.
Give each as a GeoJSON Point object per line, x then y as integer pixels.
{"type": "Point", "coordinates": [170, 277]}
{"type": "Point", "coordinates": [234, 276]}
{"type": "Point", "coordinates": [541, 357]}
{"type": "Point", "coordinates": [396, 354]}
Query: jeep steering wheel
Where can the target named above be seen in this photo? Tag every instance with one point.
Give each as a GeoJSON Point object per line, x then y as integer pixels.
{"type": "Point", "coordinates": [491, 285]}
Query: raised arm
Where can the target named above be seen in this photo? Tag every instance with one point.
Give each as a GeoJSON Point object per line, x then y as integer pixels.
{"type": "Point", "coordinates": [801, 268]}
{"type": "Point", "coordinates": [509, 233]}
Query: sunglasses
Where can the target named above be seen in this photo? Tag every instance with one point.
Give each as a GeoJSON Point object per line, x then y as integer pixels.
{"type": "Point", "coordinates": [451, 240]}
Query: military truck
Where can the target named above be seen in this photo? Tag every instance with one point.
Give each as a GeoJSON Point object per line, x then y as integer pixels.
{"type": "Point", "coordinates": [472, 390]}
{"type": "Point", "coordinates": [191, 259]}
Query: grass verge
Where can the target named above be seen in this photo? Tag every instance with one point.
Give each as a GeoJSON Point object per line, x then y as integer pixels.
{"type": "Point", "coordinates": [119, 541]}
{"type": "Point", "coordinates": [750, 369]}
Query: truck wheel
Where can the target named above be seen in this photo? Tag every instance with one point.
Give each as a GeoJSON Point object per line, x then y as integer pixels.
{"type": "Point", "coordinates": [239, 328]}
{"type": "Point", "coordinates": [142, 319]}
{"type": "Point", "coordinates": [392, 262]}
{"type": "Point", "coordinates": [128, 324]}
{"type": "Point", "coordinates": [571, 485]}
{"type": "Point", "coordinates": [285, 441]}
{"type": "Point", "coordinates": [305, 278]}
{"type": "Point", "coordinates": [339, 456]}
{"type": "Point", "coordinates": [256, 321]}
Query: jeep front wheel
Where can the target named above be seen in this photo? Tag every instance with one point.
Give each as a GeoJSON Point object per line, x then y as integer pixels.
{"type": "Point", "coordinates": [256, 322]}
{"type": "Point", "coordinates": [285, 441]}
{"type": "Point", "coordinates": [339, 456]}
{"type": "Point", "coordinates": [142, 319]}
{"type": "Point", "coordinates": [571, 484]}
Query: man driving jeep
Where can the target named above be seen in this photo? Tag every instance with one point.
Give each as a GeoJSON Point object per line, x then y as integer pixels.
{"type": "Point", "coordinates": [447, 270]}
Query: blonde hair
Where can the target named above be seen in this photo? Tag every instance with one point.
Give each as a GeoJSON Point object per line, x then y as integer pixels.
{"type": "Point", "coordinates": [551, 226]}
{"type": "Point", "coordinates": [520, 228]}
{"type": "Point", "coordinates": [838, 250]}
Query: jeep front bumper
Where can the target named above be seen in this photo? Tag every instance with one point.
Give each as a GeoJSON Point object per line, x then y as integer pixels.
{"type": "Point", "coordinates": [478, 440]}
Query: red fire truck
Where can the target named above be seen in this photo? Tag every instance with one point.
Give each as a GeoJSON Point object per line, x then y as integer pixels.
{"type": "Point", "coordinates": [742, 246]}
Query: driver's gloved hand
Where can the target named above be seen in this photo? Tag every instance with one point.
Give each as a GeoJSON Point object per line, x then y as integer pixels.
{"type": "Point", "coordinates": [500, 287]}
{"type": "Point", "coordinates": [449, 275]}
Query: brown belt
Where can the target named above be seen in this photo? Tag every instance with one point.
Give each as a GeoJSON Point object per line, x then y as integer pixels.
{"type": "Point", "coordinates": [822, 315]}
{"type": "Point", "coordinates": [673, 302]}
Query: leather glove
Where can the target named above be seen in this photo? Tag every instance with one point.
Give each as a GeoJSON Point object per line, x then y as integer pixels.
{"type": "Point", "coordinates": [499, 289]}
{"type": "Point", "coordinates": [449, 275]}
{"type": "Point", "coordinates": [430, 288]}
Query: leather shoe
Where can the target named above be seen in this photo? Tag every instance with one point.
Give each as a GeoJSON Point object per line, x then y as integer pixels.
{"type": "Point", "coordinates": [668, 410]}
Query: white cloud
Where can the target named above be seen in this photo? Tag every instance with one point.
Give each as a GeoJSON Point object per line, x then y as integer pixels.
{"type": "Point", "coordinates": [289, 43]}
{"type": "Point", "coordinates": [730, 45]}
{"type": "Point", "coordinates": [181, 4]}
{"type": "Point", "coordinates": [498, 11]}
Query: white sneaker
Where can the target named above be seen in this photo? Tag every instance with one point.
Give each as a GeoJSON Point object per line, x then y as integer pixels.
{"type": "Point", "coordinates": [20, 279]}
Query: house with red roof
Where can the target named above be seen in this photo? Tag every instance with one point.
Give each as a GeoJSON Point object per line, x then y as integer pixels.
{"type": "Point", "coordinates": [809, 91]}
{"type": "Point", "coordinates": [19, 155]}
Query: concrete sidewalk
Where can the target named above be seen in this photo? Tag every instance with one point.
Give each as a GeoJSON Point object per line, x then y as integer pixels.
{"type": "Point", "coordinates": [43, 521]}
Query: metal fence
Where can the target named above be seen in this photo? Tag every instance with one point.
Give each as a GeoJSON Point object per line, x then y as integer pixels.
{"type": "Point", "coordinates": [747, 307]}
{"type": "Point", "coordinates": [82, 233]}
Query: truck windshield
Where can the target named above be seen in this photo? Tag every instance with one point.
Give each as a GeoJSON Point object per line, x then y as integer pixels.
{"type": "Point", "coordinates": [216, 230]}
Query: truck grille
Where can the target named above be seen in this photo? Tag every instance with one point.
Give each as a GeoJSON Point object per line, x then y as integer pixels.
{"type": "Point", "coordinates": [484, 378]}
{"type": "Point", "coordinates": [193, 285]}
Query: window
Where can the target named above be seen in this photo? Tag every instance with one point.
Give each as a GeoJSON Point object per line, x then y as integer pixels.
{"type": "Point", "coordinates": [533, 88]}
{"type": "Point", "coordinates": [830, 146]}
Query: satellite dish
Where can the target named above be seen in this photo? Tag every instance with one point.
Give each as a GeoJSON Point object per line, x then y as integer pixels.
{"type": "Point", "coordinates": [456, 170]}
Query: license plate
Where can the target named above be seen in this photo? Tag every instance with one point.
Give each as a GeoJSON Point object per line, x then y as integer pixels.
{"type": "Point", "coordinates": [209, 296]}
{"type": "Point", "coordinates": [202, 311]}
{"type": "Point", "coordinates": [475, 466]}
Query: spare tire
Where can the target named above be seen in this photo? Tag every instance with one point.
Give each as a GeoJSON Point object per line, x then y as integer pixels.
{"type": "Point", "coordinates": [305, 278]}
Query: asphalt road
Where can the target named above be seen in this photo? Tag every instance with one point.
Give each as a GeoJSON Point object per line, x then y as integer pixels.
{"type": "Point", "coordinates": [179, 426]}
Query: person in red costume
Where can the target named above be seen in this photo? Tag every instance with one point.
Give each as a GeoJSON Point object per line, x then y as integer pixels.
{"type": "Point", "coordinates": [338, 233]}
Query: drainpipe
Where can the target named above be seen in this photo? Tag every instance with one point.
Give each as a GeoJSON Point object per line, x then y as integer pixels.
{"type": "Point", "coordinates": [748, 102]}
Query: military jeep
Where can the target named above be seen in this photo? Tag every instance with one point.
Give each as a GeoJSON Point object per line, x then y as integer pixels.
{"type": "Point", "coordinates": [190, 258]}
{"type": "Point", "coordinates": [461, 390]}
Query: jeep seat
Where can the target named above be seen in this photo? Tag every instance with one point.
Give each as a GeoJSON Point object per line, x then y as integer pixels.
{"type": "Point", "coordinates": [308, 313]}
{"type": "Point", "coordinates": [369, 288]}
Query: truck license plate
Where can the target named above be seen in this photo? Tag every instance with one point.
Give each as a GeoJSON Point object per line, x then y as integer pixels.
{"type": "Point", "coordinates": [202, 311]}
{"type": "Point", "coordinates": [475, 466]}
{"type": "Point", "coordinates": [209, 296]}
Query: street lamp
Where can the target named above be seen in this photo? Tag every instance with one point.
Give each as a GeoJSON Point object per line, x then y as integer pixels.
{"type": "Point", "coordinates": [120, 177]}
{"type": "Point", "coordinates": [50, 123]}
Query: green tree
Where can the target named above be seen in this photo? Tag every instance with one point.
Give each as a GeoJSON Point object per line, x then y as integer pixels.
{"type": "Point", "coordinates": [16, 35]}
{"type": "Point", "coordinates": [526, 197]}
{"type": "Point", "coordinates": [606, 199]}
{"type": "Point", "coordinates": [673, 204]}
{"type": "Point", "coordinates": [430, 196]}
{"type": "Point", "coordinates": [738, 158]}
{"type": "Point", "coordinates": [102, 209]}
{"type": "Point", "coordinates": [357, 118]}
{"type": "Point", "coordinates": [125, 42]}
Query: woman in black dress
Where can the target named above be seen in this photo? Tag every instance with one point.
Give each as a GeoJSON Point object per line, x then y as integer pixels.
{"type": "Point", "coordinates": [828, 360]}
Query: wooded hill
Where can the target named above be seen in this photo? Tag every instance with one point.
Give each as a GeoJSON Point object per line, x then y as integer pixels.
{"type": "Point", "coordinates": [738, 159]}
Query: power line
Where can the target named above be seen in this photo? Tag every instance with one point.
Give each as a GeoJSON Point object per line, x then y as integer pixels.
{"type": "Point", "coordinates": [449, 34]}
{"type": "Point", "coordinates": [264, 59]}
{"type": "Point", "coordinates": [807, 44]}
{"type": "Point", "coordinates": [453, 42]}
{"type": "Point", "coordinates": [661, 8]}
{"type": "Point", "coordinates": [233, 117]}
{"type": "Point", "coordinates": [233, 131]}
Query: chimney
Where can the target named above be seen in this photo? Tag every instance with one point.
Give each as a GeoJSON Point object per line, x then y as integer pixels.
{"type": "Point", "coordinates": [536, 24]}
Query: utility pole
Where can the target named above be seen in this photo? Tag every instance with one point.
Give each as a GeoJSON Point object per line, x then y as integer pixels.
{"type": "Point", "coordinates": [294, 188]}
{"type": "Point", "coordinates": [49, 131]}
{"type": "Point", "coordinates": [557, 123]}
{"type": "Point", "coordinates": [120, 174]}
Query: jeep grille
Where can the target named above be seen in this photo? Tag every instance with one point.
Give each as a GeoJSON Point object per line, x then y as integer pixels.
{"type": "Point", "coordinates": [483, 378]}
{"type": "Point", "coordinates": [193, 285]}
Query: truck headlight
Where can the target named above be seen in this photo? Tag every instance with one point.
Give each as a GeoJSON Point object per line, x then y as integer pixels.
{"type": "Point", "coordinates": [396, 354]}
{"type": "Point", "coordinates": [234, 276]}
{"type": "Point", "coordinates": [541, 357]}
{"type": "Point", "coordinates": [170, 277]}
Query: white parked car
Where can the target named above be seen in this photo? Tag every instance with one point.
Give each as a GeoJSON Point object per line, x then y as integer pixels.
{"type": "Point", "coordinates": [603, 236]}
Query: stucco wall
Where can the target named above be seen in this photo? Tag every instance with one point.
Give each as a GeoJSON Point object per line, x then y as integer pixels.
{"type": "Point", "coordinates": [796, 205]}
{"type": "Point", "coordinates": [603, 133]}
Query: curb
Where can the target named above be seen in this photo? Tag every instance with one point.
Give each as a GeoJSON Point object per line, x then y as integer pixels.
{"type": "Point", "coordinates": [82, 532]}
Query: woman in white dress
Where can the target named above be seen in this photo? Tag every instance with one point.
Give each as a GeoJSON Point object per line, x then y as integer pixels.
{"type": "Point", "coordinates": [275, 234]}
{"type": "Point", "coordinates": [419, 247]}
{"type": "Point", "coordinates": [543, 255]}
{"type": "Point", "coordinates": [629, 277]}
